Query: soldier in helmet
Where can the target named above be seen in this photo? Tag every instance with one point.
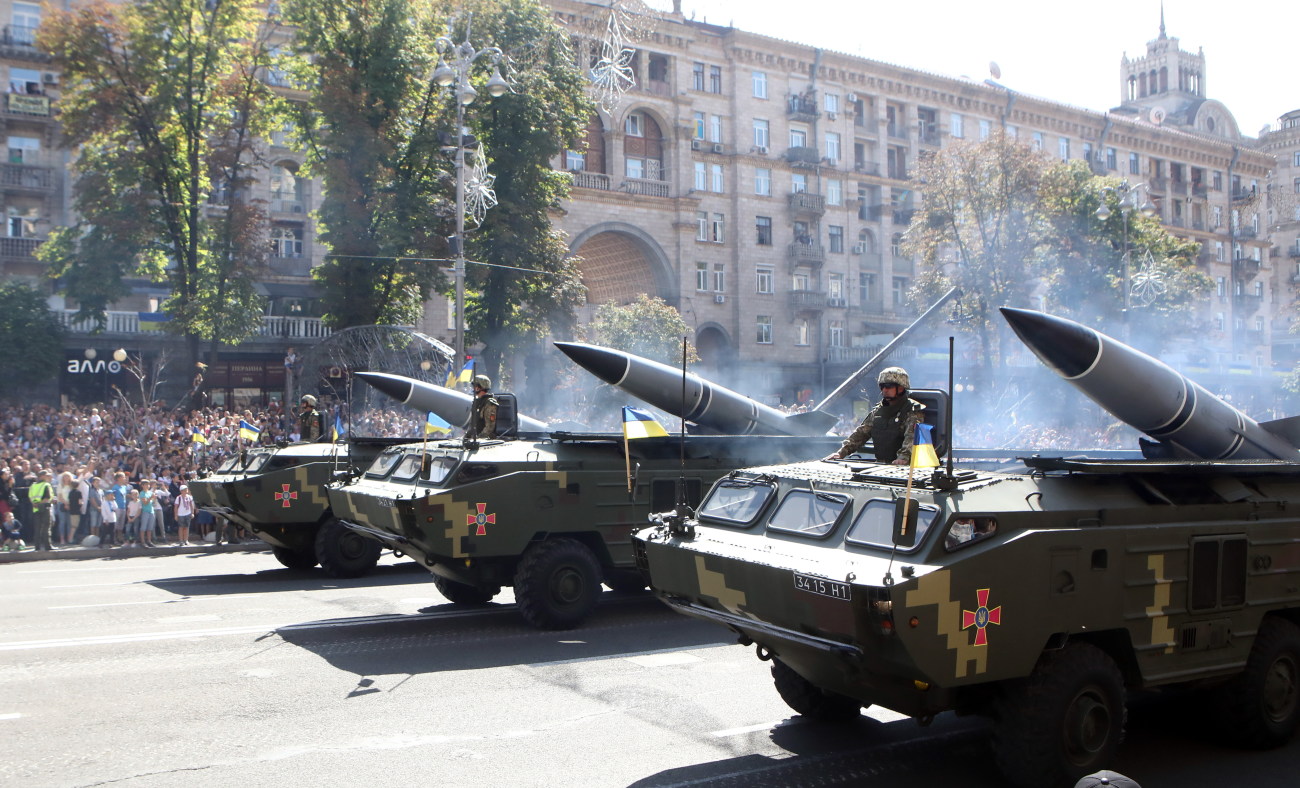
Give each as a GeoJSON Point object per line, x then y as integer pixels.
{"type": "Point", "coordinates": [483, 424]}
{"type": "Point", "coordinates": [891, 425]}
{"type": "Point", "coordinates": [311, 423]}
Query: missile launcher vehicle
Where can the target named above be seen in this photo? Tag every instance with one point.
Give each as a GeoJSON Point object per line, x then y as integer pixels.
{"type": "Point", "coordinates": [1039, 598]}
{"type": "Point", "coordinates": [278, 493]}
{"type": "Point", "coordinates": [551, 517]}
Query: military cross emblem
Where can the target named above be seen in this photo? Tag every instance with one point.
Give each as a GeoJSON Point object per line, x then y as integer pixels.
{"type": "Point", "coordinates": [482, 520]}
{"type": "Point", "coordinates": [981, 617]}
{"type": "Point", "coordinates": [285, 496]}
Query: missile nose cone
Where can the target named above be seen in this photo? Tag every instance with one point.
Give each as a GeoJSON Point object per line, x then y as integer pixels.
{"type": "Point", "coordinates": [608, 365]}
{"type": "Point", "coordinates": [395, 386]}
{"type": "Point", "coordinates": [1064, 345]}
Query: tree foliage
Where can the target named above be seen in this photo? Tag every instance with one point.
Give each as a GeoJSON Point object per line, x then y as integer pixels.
{"type": "Point", "coordinates": [648, 327]}
{"type": "Point", "coordinates": [31, 338]}
{"type": "Point", "coordinates": [163, 104]}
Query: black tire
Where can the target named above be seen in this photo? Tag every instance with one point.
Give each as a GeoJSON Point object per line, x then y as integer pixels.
{"type": "Point", "coordinates": [1064, 721]}
{"type": "Point", "coordinates": [343, 552]}
{"type": "Point", "coordinates": [557, 584]}
{"type": "Point", "coordinates": [626, 581]}
{"type": "Point", "coordinates": [293, 559]}
{"type": "Point", "coordinates": [1260, 707]}
{"type": "Point", "coordinates": [461, 593]}
{"type": "Point", "coordinates": [810, 700]}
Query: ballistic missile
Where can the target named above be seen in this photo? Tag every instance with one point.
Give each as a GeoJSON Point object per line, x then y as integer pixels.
{"type": "Point", "coordinates": [708, 405]}
{"type": "Point", "coordinates": [1151, 396]}
{"type": "Point", "coordinates": [453, 407]}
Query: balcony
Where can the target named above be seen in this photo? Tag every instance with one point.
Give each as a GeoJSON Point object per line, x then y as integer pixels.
{"type": "Point", "coordinates": [27, 105]}
{"type": "Point", "coordinates": [805, 203]}
{"type": "Point", "coordinates": [289, 265]}
{"type": "Point", "coordinates": [1245, 267]}
{"type": "Point", "coordinates": [19, 41]}
{"type": "Point", "coordinates": [806, 254]}
{"type": "Point", "coordinates": [27, 177]}
{"type": "Point", "coordinates": [655, 87]}
{"type": "Point", "coordinates": [928, 135]}
{"type": "Point", "coordinates": [646, 187]}
{"type": "Point", "coordinates": [807, 300]}
{"type": "Point", "coordinates": [129, 323]}
{"type": "Point", "coordinates": [591, 180]}
{"type": "Point", "coordinates": [1243, 195]}
{"type": "Point", "coordinates": [896, 131]}
{"type": "Point", "coordinates": [803, 157]}
{"type": "Point", "coordinates": [1247, 302]}
{"type": "Point", "coordinates": [1293, 253]}
{"type": "Point", "coordinates": [1246, 233]}
{"type": "Point", "coordinates": [903, 215]}
{"type": "Point", "coordinates": [1178, 187]}
{"type": "Point", "coordinates": [292, 206]}
{"type": "Point", "coordinates": [871, 213]}
{"type": "Point", "coordinates": [19, 248]}
{"type": "Point", "coordinates": [1158, 184]}
{"type": "Point", "coordinates": [1199, 190]}
{"type": "Point", "coordinates": [856, 355]}
{"type": "Point", "coordinates": [802, 108]}
{"type": "Point", "coordinates": [866, 167]}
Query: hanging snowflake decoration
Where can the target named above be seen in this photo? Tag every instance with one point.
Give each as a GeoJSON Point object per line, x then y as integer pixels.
{"type": "Point", "coordinates": [479, 196]}
{"type": "Point", "coordinates": [1148, 282]}
{"type": "Point", "coordinates": [612, 74]}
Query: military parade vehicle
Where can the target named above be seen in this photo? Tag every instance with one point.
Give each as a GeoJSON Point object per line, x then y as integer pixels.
{"type": "Point", "coordinates": [278, 493]}
{"type": "Point", "coordinates": [1039, 598]}
{"type": "Point", "coordinates": [550, 516]}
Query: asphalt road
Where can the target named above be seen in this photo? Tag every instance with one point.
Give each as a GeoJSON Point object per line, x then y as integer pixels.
{"type": "Point", "coordinates": [225, 669]}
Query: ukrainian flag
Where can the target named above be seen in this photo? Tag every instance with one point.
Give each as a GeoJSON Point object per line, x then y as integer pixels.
{"type": "Point", "coordinates": [639, 424]}
{"type": "Point", "coordinates": [198, 437]}
{"type": "Point", "coordinates": [339, 431]}
{"type": "Point", "coordinates": [153, 321]}
{"type": "Point", "coordinates": [465, 376]}
{"type": "Point", "coordinates": [923, 455]}
{"type": "Point", "coordinates": [247, 431]}
{"type": "Point", "coordinates": [435, 426]}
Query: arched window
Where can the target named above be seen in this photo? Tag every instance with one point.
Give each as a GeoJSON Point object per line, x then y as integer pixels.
{"type": "Point", "coordinates": [286, 188]}
{"type": "Point", "coordinates": [643, 147]}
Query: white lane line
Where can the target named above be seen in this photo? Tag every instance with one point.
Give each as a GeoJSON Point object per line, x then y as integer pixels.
{"type": "Point", "coordinates": [661, 660]}
{"type": "Point", "coordinates": [135, 583]}
{"type": "Point", "coordinates": [13, 716]}
{"type": "Point", "coordinates": [762, 726]}
{"type": "Point", "coordinates": [212, 598]}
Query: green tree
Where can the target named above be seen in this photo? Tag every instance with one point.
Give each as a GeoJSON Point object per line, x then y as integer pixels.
{"type": "Point", "coordinates": [31, 339]}
{"type": "Point", "coordinates": [163, 104]}
{"type": "Point", "coordinates": [647, 327]}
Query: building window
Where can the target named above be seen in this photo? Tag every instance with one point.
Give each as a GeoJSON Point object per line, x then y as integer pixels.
{"type": "Point", "coordinates": [701, 177]}
{"type": "Point", "coordinates": [1259, 324]}
{"type": "Point", "coordinates": [832, 146]}
{"type": "Point", "coordinates": [1220, 283]}
{"type": "Point", "coordinates": [1259, 289]}
{"type": "Point", "coordinates": [834, 192]}
{"type": "Point", "coordinates": [1087, 152]}
{"type": "Point", "coordinates": [1295, 161]}
{"type": "Point", "coordinates": [632, 126]}
{"type": "Point", "coordinates": [1038, 140]}
{"type": "Point", "coordinates": [717, 228]}
{"type": "Point", "coordinates": [900, 291]}
{"type": "Point", "coordinates": [701, 276]}
{"type": "Point", "coordinates": [896, 246]}
{"type": "Point", "coordinates": [761, 135]}
{"type": "Point", "coordinates": [715, 128]}
{"type": "Point", "coordinates": [762, 181]}
{"type": "Point", "coordinates": [1218, 321]}
{"type": "Point", "coordinates": [798, 138]}
{"type": "Point", "coordinates": [699, 125]}
{"type": "Point", "coordinates": [836, 236]}
{"type": "Point", "coordinates": [1063, 148]}
{"type": "Point", "coordinates": [801, 332]}
{"type": "Point", "coordinates": [835, 333]}
{"type": "Point", "coordinates": [574, 161]}
{"type": "Point", "coordinates": [22, 222]}
{"type": "Point", "coordinates": [715, 173]}
{"type": "Point", "coordinates": [831, 102]}
{"type": "Point", "coordinates": [986, 129]}
{"type": "Point", "coordinates": [1218, 181]}
{"type": "Point", "coordinates": [764, 329]}
{"type": "Point", "coordinates": [286, 242]}
{"type": "Point", "coordinates": [719, 277]}
{"type": "Point", "coordinates": [764, 279]}
{"type": "Point", "coordinates": [798, 183]}
{"type": "Point", "coordinates": [763, 230]}
{"type": "Point", "coordinates": [760, 84]}
{"type": "Point", "coordinates": [866, 288]}
{"type": "Point", "coordinates": [956, 125]}
{"type": "Point", "coordinates": [835, 287]}
{"type": "Point", "coordinates": [1218, 216]}
{"type": "Point", "coordinates": [26, 18]}
{"type": "Point", "coordinates": [701, 226]}
{"type": "Point", "coordinates": [634, 167]}
{"type": "Point", "coordinates": [697, 76]}
{"type": "Point", "coordinates": [24, 150]}
{"type": "Point", "coordinates": [1013, 132]}
{"type": "Point", "coordinates": [1112, 159]}
{"type": "Point", "coordinates": [1296, 185]}
{"type": "Point", "coordinates": [715, 79]}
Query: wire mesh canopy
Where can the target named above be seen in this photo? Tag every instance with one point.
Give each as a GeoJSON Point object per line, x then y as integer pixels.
{"type": "Point", "coordinates": [327, 367]}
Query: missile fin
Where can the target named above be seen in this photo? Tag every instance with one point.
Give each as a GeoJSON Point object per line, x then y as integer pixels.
{"type": "Point", "coordinates": [814, 422]}
{"type": "Point", "coordinates": [1287, 429]}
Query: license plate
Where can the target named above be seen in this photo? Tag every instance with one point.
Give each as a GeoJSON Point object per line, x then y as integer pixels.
{"type": "Point", "coordinates": [387, 503]}
{"type": "Point", "coordinates": [823, 587]}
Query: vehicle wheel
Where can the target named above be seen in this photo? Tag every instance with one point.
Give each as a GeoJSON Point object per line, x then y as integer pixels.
{"type": "Point", "coordinates": [345, 553]}
{"type": "Point", "coordinates": [810, 700]}
{"type": "Point", "coordinates": [1064, 721]}
{"type": "Point", "coordinates": [557, 584]}
{"type": "Point", "coordinates": [462, 593]}
{"type": "Point", "coordinates": [1260, 707]}
{"type": "Point", "coordinates": [294, 559]}
{"type": "Point", "coordinates": [626, 581]}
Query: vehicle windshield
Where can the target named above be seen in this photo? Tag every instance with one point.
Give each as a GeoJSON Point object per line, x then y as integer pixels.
{"type": "Point", "coordinates": [808, 512]}
{"type": "Point", "coordinates": [436, 468]}
{"type": "Point", "coordinates": [875, 523]}
{"type": "Point", "coordinates": [229, 464]}
{"type": "Point", "coordinates": [736, 501]}
{"type": "Point", "coordinates": [255, 462]}
{"type": "Point", "coordinates": [383, 464]}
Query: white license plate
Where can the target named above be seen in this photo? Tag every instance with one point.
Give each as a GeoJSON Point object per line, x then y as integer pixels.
{"type": "Point", "coordinates": [823, 587]}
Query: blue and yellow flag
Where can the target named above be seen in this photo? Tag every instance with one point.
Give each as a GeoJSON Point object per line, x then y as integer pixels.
{"type": "Point", "coordinates": [465, 376]}
{"type": "Point", "coordinates": [247, 431]}
{"type": "Point", "coordinates": [639, 424]}
{"type": "Point", "coordinates": [923, 455]}
{"type": "Point", "coordinates": [198, 437]}
{"type": "Point", "coordinates": [339, 431]}
{"type": "Point", "coordinates": [435, 426]}
{"type": "Point", "coordinates": [153, 321]}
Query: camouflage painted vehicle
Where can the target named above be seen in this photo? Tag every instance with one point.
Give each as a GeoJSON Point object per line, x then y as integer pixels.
{"type": "Point", "coordinates": [551, 517]}
{"type": "Point", "coordinates": [278, 493]}
{"type": "Point", "coordinates": [1037, 598]}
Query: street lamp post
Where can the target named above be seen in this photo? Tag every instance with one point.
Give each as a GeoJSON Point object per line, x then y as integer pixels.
{"type": "Point", "coordinates": [453, 72]}
{"type": "Point", "coordinates": [1128, 203]}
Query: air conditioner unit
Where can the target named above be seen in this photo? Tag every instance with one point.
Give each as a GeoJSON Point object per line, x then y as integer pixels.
{"type": "Point", "coordinates": [696, 144]}
{"type": "Point", "coordinates": [760, 149]}
{"type": "Point", "coordinates": [719, 299]}
{"type": "Point", "coordinates": [830, 116]}
{"type": "Point", "coordinates": [852, 98]}
{"type": "Point", "coordinates": [835, 302]}
{"type": "Point", "coordinates": [717, 147]}
{"type": "Point", "coordinates": [859, 248]}
{"type": "Point", "coordinates": [50, 78]}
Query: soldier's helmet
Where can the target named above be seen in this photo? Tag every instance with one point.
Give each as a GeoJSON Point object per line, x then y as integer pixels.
{"type": "Point", "coordinates": [893, 375]}
{"type": "Point", "coordinates": [309, 399]}
{"type": "Point", "coordinates": [483, 382]}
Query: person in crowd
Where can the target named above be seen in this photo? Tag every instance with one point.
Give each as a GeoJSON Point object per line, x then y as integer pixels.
{"type": "Point", "coordinates": [133, 518]}
{"type": "Point", "coordinates": [120, 491]}
{"type": "Point", "coordinates": [146, 530]}
{"type": "Point", "coordinates": [184, 510]}
{"type": "Point", "coordinates": [108, 515]}
{"type": "Point", "coordinates": [75, 506]}
{"type": "Point", "coordinates": [11, 532]}
{"type": "Point", "coordinates": [62, 514]}
{"type": "Point", "coordinates": [41, 496]}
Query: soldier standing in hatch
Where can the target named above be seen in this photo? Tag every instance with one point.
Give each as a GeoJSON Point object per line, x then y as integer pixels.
{"type": "Point", "coordinates": [311, 424]}
{"type": "Point", "coordinates": [891, 425]}
{"type": "Point", "coordinates": [483, 424]}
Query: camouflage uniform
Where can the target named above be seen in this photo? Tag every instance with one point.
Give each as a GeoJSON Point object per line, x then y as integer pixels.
{"type": "Point", "coordinates": [311, 424]}
{"type": "Point", "coordinates": [484, 422]}
{"type": "Point", "coordinates": [891, 428]}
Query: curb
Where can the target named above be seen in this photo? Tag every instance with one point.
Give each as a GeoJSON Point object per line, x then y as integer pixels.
{"type": "Point", "coordinates": [79, 553]}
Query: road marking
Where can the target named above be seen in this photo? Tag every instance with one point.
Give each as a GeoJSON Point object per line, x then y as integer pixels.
{"type": "Point", "coordinates": [661, 660]}
{"type": "Point", "coordinates": [213, 598]}
{"type": "Point", "coordinates": [136, 583]}
{"type": "Point", "coordinates": [186, 619]}
{"type": "Point", "coordinates": [12, 716]}
{"type": "Point", "coordinates": [762, 726]}
{"type": "Point", "coordinates": [880, 714]}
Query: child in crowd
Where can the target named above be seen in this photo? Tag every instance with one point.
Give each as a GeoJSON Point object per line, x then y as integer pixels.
{"type": "Point", "coordinates": [12, 538]}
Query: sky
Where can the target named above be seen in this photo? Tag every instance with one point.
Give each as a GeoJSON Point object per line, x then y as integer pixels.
{"type": "Point", "coordinates": [1066, 52]}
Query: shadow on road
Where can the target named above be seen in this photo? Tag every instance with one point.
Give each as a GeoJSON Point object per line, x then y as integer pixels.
{"type": "Point", "coordinates": [276, 579]}
{"type": "Point", "coordinates": [449, 637]}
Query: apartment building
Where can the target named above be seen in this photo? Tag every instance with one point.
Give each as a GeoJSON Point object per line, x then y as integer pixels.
{"type": "Point", "coordinates": [1283, 202]}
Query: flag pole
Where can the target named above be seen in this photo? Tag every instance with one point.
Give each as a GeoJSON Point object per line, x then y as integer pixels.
{"type": "Point", "coordinates": [627, 452]}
